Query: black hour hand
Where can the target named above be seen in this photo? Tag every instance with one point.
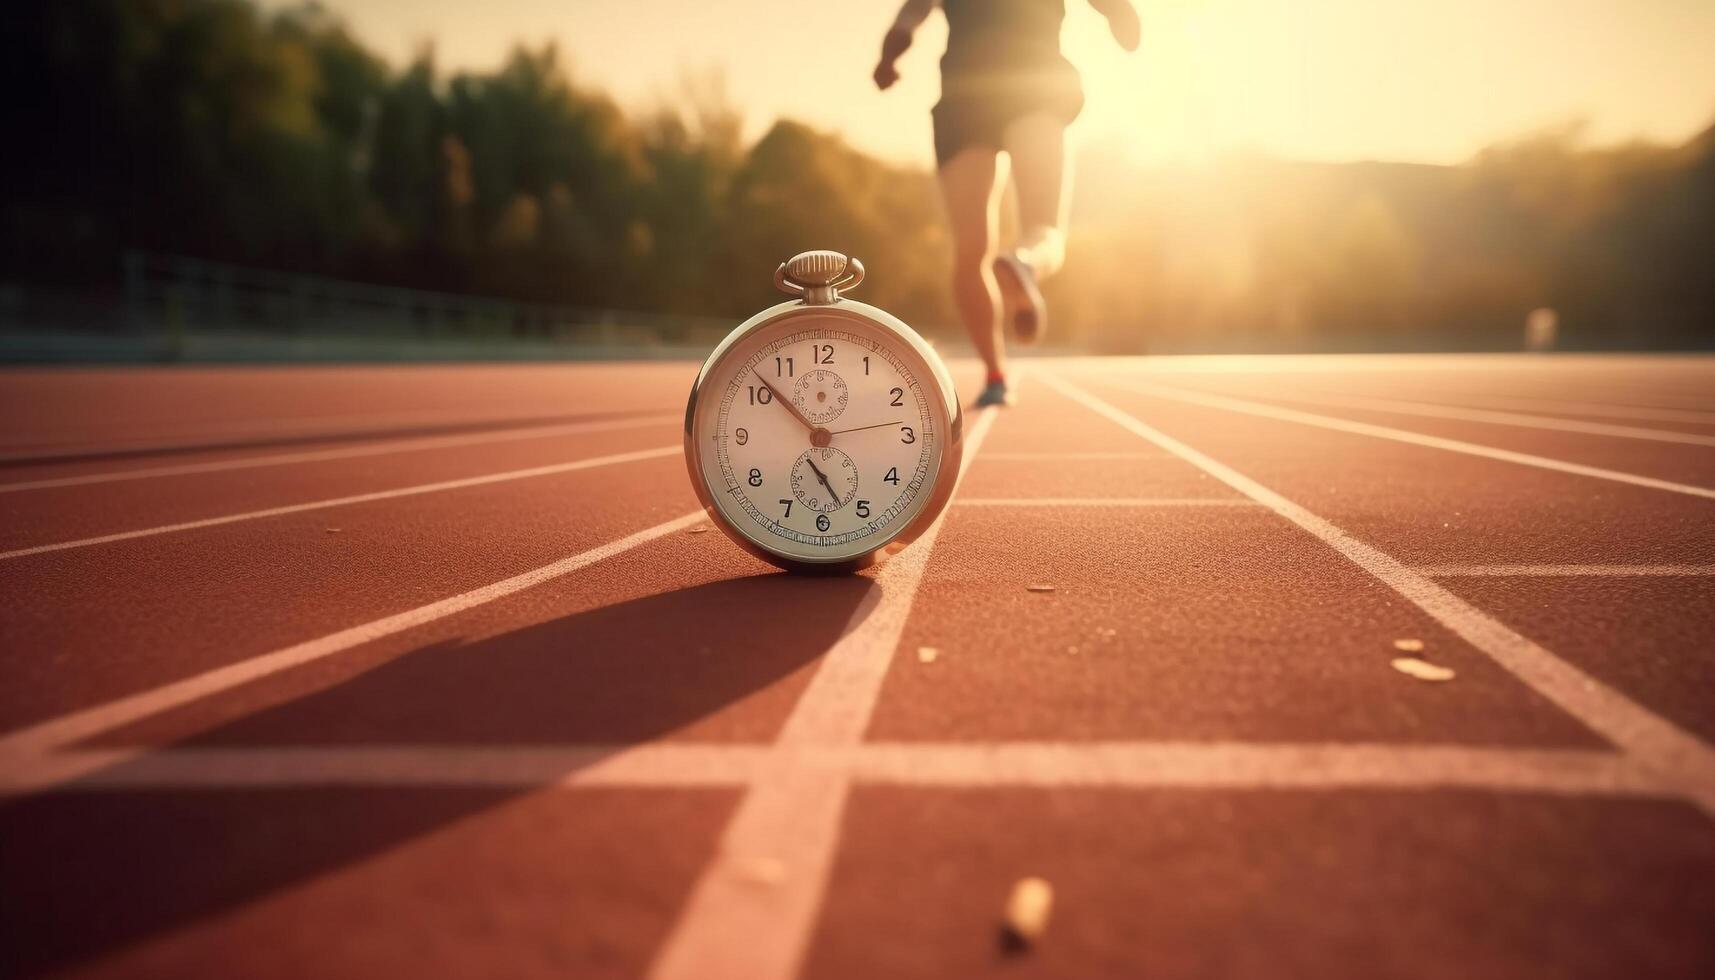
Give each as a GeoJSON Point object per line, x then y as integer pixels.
{"type": "Point", "coordinates": [832, 496]}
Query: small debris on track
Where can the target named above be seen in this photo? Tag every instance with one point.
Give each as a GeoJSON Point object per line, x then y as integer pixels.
{"type": "Point", "coordinates": [927, 655]}
{"type": "Point", "coordinates": [1039, 588]}
{"type": "Point", "coordinates": [1409, 645]}
{"type": "Point", "coordinates": [1027, 910]}
{"type": "Point", "coordinates": [1423, 670]}
{"type": "Point", "coordinates": [761, 871]}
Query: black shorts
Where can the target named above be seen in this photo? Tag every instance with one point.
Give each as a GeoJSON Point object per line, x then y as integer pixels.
{"type": "Point", "coordinates": [976, 109]}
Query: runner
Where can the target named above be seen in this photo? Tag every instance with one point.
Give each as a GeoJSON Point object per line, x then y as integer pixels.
{"type": "Point", "coordinates": [1005, 86]}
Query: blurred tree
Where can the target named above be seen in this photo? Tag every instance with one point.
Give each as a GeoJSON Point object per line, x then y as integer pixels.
{"type": "Point", "coordinates": [404, 156]}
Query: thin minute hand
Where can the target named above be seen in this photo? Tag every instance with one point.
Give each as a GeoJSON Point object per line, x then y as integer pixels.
{"type": "Point", "coordinates": [788, 405]}
{"type": "Point", "coordinates": [860, 428]}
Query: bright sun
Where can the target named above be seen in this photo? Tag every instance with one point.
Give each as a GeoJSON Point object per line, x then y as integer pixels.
{"type": "Point", "coordinates": [1190, 91]}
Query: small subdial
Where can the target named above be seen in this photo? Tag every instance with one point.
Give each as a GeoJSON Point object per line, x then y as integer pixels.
{"type": "Point", "coordinates": [824, 480]}
{"type": "Point", "coordinates": [821, 395]}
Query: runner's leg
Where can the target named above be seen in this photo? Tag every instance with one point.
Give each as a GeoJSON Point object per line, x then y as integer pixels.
{"type": "Point", "coordinates": [971, 183]}
{"type": "Point", "coordinates": [1037, 145]}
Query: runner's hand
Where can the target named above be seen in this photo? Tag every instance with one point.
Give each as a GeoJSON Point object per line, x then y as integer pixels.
{"type": "Point", "coordinates": [896, 43]}
{"type": "Point", "coordinates": [1122, 21]}
{"type": "Point", "coordinates": [885, 75]}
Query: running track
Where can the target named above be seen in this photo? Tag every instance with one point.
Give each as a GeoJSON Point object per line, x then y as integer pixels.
{"type": "Point", "coordinates": [437, 671]}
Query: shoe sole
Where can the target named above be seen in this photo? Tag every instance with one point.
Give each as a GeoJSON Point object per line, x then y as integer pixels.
{"type": "Point", "coordinates": [1018, 284]}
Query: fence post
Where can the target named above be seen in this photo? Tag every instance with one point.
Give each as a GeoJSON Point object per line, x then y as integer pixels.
{"type": "Point", "coordinates": [134, 290]}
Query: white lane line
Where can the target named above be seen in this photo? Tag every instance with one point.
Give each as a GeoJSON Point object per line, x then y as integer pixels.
{"type": "Point", "coordinates": [1558, 571]}
{"type": "Point", "coordinates": [1501, 418]}
{"type": "Point", "coordinates": [1106, 765]}
{"type": "Point", "coordinates": [1243, 765]}
{"type": "Point", "coordinates": [1655, 742]}
{"type": "Point", "coordinates": [344, 452]}
{"type": "Point", "coordinates": [1404, 435]}
{"type": "Point", "coordinates": [362, 498]}
{"type": "Point", "coordinates": [184, 439]}
{"type": "Point", "coordinates": [1050, 457]}
{"type": "Point", "coordinates": [26, 760]}
{"type": "Point", "coordinates": [790, 819]}
{"type": "Point", "coordinates": [1105, 502]}
{"type": "Point", "coordinates": [1600, 410]}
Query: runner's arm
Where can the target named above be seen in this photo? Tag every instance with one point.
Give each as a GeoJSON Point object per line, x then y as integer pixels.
{"type": "Point", "coordinates": [898, 38]}
{"type": "Point", "coordinates": [1122, 21]}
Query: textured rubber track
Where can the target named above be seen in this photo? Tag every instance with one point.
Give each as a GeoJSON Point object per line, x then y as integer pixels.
{"type": "Point", "coordinates": [1114, 667]}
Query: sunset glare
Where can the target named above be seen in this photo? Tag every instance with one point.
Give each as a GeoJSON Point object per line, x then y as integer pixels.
{"type": "Point", "coordinates": [1320, 79]}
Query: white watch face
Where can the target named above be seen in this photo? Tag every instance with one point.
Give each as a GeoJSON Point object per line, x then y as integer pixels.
{"type": "Point", "coordinates": [820, 436]}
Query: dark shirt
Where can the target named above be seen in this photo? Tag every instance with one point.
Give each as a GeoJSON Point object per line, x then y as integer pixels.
{"type": "Point", "coordinates": [988, 37]}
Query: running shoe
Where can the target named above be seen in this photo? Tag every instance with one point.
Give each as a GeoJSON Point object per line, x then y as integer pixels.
{"type": "Point", "coordinates": [996, 393]}
{"type": "Point", "coordinates": [1027, 310]}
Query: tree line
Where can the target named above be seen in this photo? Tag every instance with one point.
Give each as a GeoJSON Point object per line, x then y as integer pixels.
{"type": "Point", "coordinates": [215, 129]}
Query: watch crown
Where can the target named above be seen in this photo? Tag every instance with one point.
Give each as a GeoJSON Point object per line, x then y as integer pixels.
{"type": "Point", "coordinates": [819, 275]}
{"type": "Point", "coordinates": [818, 268]}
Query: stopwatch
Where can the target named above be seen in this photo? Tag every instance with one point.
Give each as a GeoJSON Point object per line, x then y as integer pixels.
{"type": "Point", "coordinates": [823, 434]}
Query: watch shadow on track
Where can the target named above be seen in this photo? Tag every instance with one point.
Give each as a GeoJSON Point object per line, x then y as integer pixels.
{"type": "Point", "coordinates": [721, 662]}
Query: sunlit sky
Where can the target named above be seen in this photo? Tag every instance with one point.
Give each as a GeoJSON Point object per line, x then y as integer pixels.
{"type": "Point", "coordinates": [1312, 79]}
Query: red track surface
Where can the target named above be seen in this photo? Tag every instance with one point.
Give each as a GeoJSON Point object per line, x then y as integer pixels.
{"type": "Point", "coordinates": [506, 716]}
